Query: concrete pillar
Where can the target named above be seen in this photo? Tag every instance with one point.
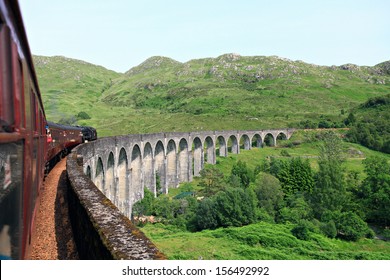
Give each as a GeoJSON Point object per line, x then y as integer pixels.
{"type": "Point", "coordinates": [171, 165]}
{"type": "Point", "coordinates": [123, 181]}
{"type": "Point", "coordinates": [148, 169]}
{"type": "Point", "coordinates": [159, 166]}
{"type": "Point", "coordinates": [210, 150]}
{"type": "Point", "coordinates": [183, 162]}
{"type": "Point", "coordinates": [197, 156]}
{"type": "Point", "coordinates": [222, 146]}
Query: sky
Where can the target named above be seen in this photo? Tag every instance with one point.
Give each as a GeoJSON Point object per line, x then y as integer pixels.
{"type": "Point", "coordinates": [120, 34]}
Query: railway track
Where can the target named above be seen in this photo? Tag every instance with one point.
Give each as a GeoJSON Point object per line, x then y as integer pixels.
{"type": "Point", "coordinates": [53, 236]}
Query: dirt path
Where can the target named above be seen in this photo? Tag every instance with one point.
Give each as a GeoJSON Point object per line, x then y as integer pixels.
{"type": "Point", "coordinates": [53, 237]}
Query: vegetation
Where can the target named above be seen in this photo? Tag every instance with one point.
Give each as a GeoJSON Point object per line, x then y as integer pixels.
{"type": "Point", "coordinates": [322, 209]}
{"type": "Point", "coordinates": [370, 124]}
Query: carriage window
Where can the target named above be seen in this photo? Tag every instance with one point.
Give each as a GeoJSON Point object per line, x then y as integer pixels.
{"type": "Point", "coordinates": [11, 190]}
{"type": "Point", "coordinates": [18, 86]}
{"type": "Point", "coordinates": [6, 98]}
{"type": "Point", "coordinates": [33, 111]}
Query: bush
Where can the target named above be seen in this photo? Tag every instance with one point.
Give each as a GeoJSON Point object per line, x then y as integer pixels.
{"type": "Point", "coordinates": [206, 215]}
{"type": "Point", "coordinates": [235, 207]}
{"type": "Point", "coordinates": [83, 116]}
{"type": "Point", "coordinates": [302, 230]}
{"type": "Point", "coordinates": [145, 205]}
{"type": "Point", "coordinates": [297, 209]}
{"type": "Point", "coordinates": [329, 229]}
{"type": "Point", "coordinates": [269, 193]}
{"type": "Point", "coordinates": [351, 227]}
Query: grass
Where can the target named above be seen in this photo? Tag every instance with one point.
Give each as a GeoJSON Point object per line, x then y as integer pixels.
{"type": "Point", "coordinates": [260, 241]}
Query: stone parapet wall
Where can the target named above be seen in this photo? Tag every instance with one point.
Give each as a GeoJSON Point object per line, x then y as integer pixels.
{"type": "Point", "coordinates": [100, 230]}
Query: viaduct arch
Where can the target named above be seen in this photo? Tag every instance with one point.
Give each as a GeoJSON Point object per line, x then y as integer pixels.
{"type": "Point", "coordinates": [121, 167]}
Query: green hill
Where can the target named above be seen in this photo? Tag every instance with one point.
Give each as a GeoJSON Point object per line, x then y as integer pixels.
{"type": "Point", "coordinates": [69, 86]}
{"type": "Point", "coordinates": [227, 92]}
{"type": "Point", "coordinates": [370, 124]}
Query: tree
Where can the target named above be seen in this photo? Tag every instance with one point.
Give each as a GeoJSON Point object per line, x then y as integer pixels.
{"type": "Point", "coordinates": [301, 176]}
{"type": "Point", "coordinates": [295, 175]}
{"type": "Point", "coordinates": [269, 193]}
{"type": "Point", "coordinates": [351, 227]}
{"type": "Point", "coordinates": [235, 207]}
{"type": "Point", "coordinates": [376, 190]}
{"type": "Point", "coordinates": [297, 209]}
{"type": "Point", "coordinates": [350, 120]}
{"type": "Point", "coordinates": [330, 187]}
{"type": "Point", "coordinates": [212, 180]}
{"type": "Point", "coordinates": [241, 171]}
{"type": "Point", "coordinates": [206, 215]}
{"type": "Point", "coordinates": [145, 205]}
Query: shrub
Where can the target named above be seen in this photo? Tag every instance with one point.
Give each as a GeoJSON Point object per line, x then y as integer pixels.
{"type": "Point", "coordinates": [206, 215]}
{"type": "Point", "coordinates": [329, 229]}
{"type": "Point", "coordinates": [83, 116]}
{"type": "Point", "coordinates": [302, 230]}
{"type": "Point", "coordinates": [351, 227]}
{"type": "Point", "coordinates": [285, 153]}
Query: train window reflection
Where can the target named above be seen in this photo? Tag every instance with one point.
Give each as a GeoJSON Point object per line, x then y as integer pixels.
{"type": "Point", "coordinates": [11, 190]}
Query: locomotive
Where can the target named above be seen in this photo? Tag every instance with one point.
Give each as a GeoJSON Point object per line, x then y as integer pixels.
{"type": "Point", "coordinates": [29, 145]}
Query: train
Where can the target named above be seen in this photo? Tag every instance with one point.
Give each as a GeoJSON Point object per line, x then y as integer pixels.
{"type": "Point", "coordinates": [29, 144]}
{"type": "Point", "coordinates": [62, 138]}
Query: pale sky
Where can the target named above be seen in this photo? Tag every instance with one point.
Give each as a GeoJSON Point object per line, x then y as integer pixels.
{"type": "Point", "coordinates": [120, 34]}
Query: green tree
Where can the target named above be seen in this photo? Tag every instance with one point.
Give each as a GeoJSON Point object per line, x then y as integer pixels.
{"type": "Point", "coordinates": [330, 188]}
{"type": "Point", "coordinates": [302, 230]}
{"type": "Point", "coordinates": [235, 207]}
{"type": "Point", "coordinates": [269, 193]}
{"type": "Point", "coordinates": [296, 209]}
{"type": "Point", "coordinates": [376, 190]}
{"type": "Point", "coordinates": [351, 227]}
{"type": "Point", "coordinates": [158, 184]}
{"type": "Point", "coordinates": [350, 120]}
{"type": "Point", "coordinates": [206, 215]}
{"type": "Point", "coordinates": [145, 205]}
{"type": "Point", "coordinates": [301, 176]}
{"type": "Point", "coordinates": [295, 175]}
{"type": "Point", "coordinates": [241, 171]}
{"type": "Point", "coordinates": [212, 180]}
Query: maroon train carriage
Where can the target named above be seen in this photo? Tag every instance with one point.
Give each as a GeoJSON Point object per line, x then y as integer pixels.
{"type": "Point", "coordinates": [61, 139]}
{"type": "Point", "coordinates": [22, 135]}
{"type": "Point", "coordinates": [28, 143]}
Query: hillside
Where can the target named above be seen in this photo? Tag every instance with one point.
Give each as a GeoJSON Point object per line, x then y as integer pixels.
{"type": "Point", "coordinates": [69, 86]}
{"type": "Point", "coordinates": [370, 124]}
{"type": "Point", "coordinates": [227, 92]}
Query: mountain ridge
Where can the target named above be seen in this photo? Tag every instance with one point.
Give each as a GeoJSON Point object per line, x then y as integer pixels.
{"type": "Point", "coordinates": [226, 92]}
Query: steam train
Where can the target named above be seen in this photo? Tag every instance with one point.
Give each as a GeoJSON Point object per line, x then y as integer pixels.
{"type": "Point", "coordinates": [29, 145]}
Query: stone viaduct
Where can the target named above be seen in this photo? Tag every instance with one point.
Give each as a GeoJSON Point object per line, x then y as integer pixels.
{"type": "Point", "coordinates": [122, 166]}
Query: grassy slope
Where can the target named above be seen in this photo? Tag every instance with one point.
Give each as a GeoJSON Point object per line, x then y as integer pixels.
{"type": "Point", "coordinates": [259, 241]}
{"type": "Point", "coordinates": [228, 92]}
{"type": "Point", "coordinates": [264, 240]}
{"type": "Point", "coordinates": [69, 86]}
